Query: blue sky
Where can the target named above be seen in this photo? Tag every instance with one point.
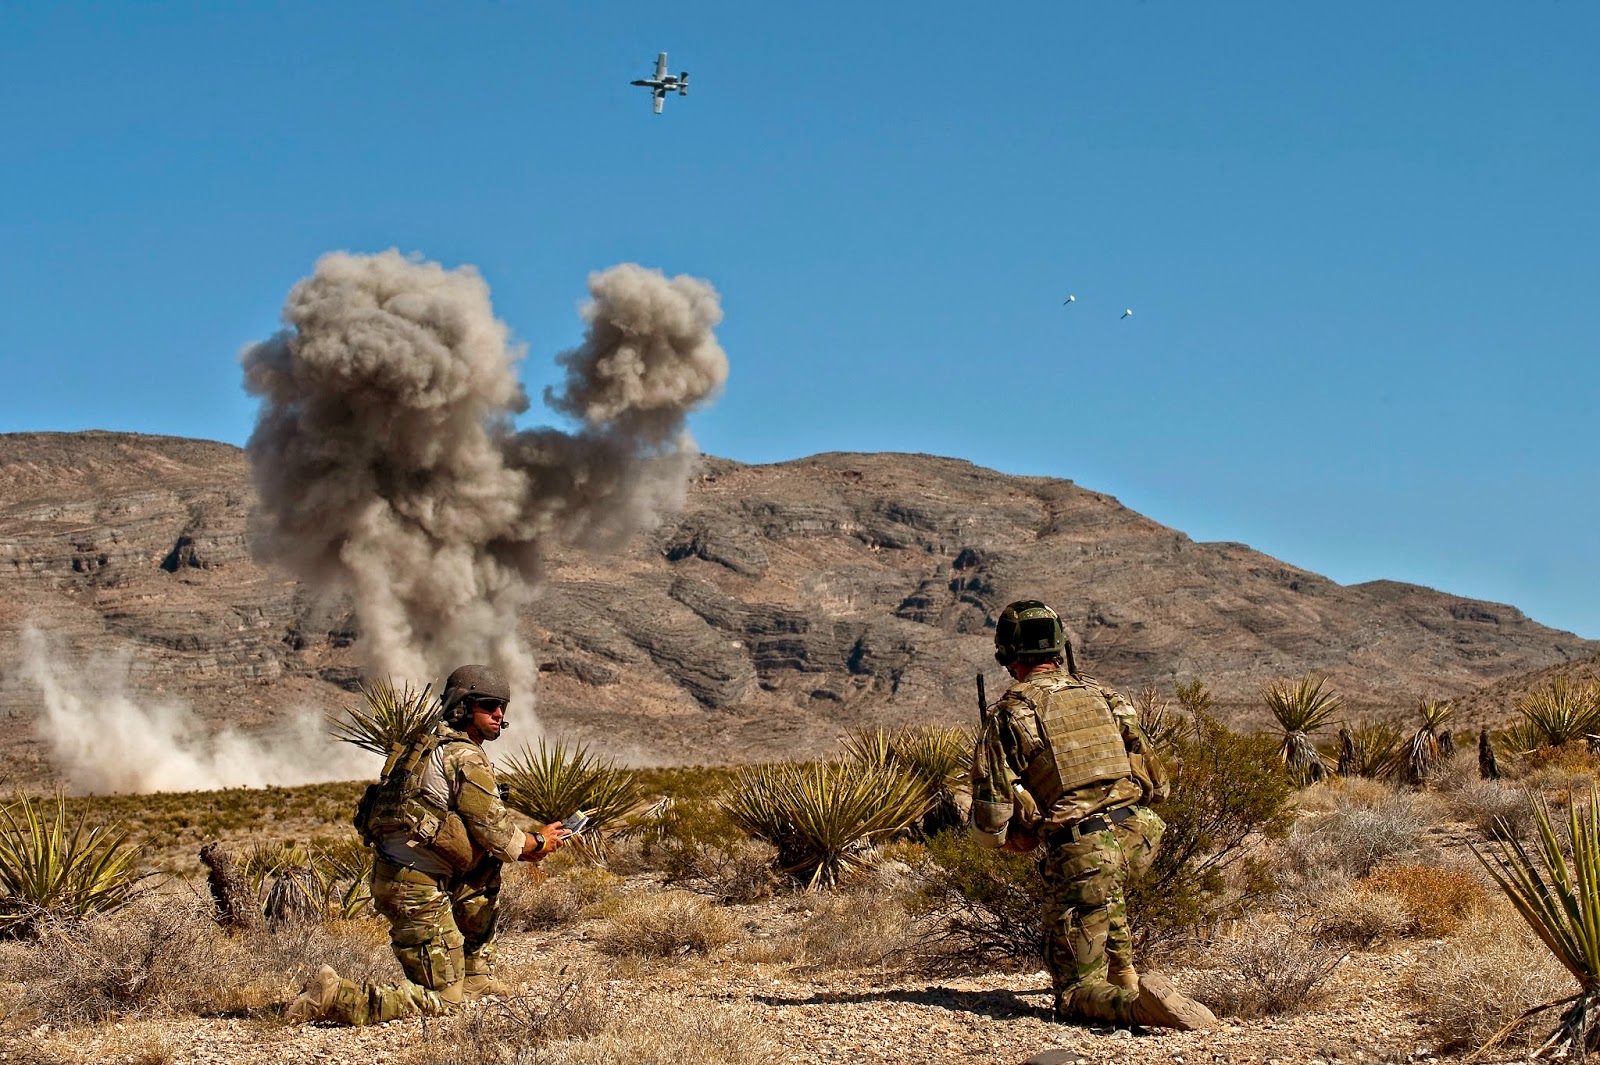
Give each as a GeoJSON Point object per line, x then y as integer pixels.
{"type": "Point", "coordinates": [1360, 240]}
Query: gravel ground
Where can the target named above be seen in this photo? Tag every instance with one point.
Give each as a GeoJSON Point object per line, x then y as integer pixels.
{"type": "Point", "coordinates": [826, 1018]}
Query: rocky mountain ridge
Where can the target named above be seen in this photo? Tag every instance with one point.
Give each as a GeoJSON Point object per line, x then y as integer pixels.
{"type": "Point", "coordinates": [781, 606]}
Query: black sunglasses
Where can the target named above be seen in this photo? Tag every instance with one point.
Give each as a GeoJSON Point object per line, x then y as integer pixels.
{"type": "Point", "coordinates": [485, 703]}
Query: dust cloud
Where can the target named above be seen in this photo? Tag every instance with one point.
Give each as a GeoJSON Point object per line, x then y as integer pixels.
{"type": "Point", "coordinates": [102, 738]}
{"type": "Point", "coordinates": [388, 467]}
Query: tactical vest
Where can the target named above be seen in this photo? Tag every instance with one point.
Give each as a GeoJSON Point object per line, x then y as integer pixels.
{"type": "Point", "coordinates": [396, 802]}
{"type": "Point", "coordinates": [1082, 743]}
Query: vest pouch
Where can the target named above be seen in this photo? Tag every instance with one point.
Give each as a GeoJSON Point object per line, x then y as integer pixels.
{"type": "Point", "coordinates": [452, 843]}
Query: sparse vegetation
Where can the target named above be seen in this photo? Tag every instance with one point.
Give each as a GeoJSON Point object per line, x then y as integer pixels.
{"type": "Point", "coordinates": [937, 755]}
{"type": "Point", "coordinates": [1267, 965]}
{"type": "Point", "coordinates": [663, 924]}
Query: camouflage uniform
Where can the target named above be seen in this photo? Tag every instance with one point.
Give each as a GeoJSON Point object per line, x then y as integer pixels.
{"type": "Point", "coordinates": [1084, 913]}
{"type": "Point", "coordinates": [441, 922]}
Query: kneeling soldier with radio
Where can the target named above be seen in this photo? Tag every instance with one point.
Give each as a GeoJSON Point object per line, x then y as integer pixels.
{"type": "Point", "coordinates": [441, 833]}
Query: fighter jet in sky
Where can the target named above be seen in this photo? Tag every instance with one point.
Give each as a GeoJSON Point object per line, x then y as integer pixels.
{"type": "Point", "coordinates": [664, 83]}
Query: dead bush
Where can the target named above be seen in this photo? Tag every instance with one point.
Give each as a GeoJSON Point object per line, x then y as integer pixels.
{"type": "Point", "coordinates": [1437, 901]}
{"type": "Point", "coordinates": [1351, 839]}
{"type": "Point", "coordinates": [1487, 804]}
{"type": "Point", "coordinates": [1361, 918]}
{"type": "Point", "coordinates": [158, 955]}
{"type": "Point", "coordinates": [729, 871]}
{"type": "Point", "coordinates": [535, 903]}
{"type": "Point", "coordinates": [1471, 985]}
{"type": "Point", "coordinates": [661, 924]}
{"type": "Point", "coordinates": [1267, 965]}
{"type": "Point", "coordinates": [867, 925]}
{"type": "Point", "coordinates": [520, 1029]}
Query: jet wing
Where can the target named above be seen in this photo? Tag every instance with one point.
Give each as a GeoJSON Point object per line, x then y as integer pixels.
{"type": "Point", "coordinates": [661, 98]}
{"type": "Point", "coordinates": [661, 66]}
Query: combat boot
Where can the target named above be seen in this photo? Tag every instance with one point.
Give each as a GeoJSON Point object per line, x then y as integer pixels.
{"type": "Point", "coordinates": [316, 998]}
{"type": "Point", "coordinates": [1121, 973]}
{"type": "Point", "coordinates": [1161, 1005]}
{"type": "Point", "coordinates": [480, 984]}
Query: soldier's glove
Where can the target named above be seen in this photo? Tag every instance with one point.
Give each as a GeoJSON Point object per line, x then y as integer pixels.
{"type": "Point", "coordinates": [1022, 834]}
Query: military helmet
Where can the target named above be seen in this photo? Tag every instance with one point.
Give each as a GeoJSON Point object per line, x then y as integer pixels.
{"type": "Point", "coordinates": [482, 681]}
{"type": "Point", "coordinates": [1028, 630]}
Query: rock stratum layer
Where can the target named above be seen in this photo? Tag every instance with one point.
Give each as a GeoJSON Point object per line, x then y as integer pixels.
{"type": "Point", "coordinates": [782, 606]}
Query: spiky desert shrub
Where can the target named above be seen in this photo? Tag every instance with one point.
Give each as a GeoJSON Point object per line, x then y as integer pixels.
{"type": "Point", "coordinates": [1301, 708]}
{"type": "Point", "coordinates": [937, 755]}
{"type": "Point", "coordinates": [1374, 750]}
{"type": "Point", "coordinates": [1560, 901]}
{"type": "Point", "coordinates": [556, 781]}
{"type": "Point", "coordinates": [822, 817]}
{"type": "Point", "coordinates": [1556, 713]}
{"type": "Point", "coordinates": [50, 870]}
{"type": "Point", "coordinates": [1226, 791]}
{"type": "Point", "coordinates": [1161, 723]}
{"type": "Point", "coordinates": [331, 880]}
{"type": "Point", "coordinates": [386, 718]}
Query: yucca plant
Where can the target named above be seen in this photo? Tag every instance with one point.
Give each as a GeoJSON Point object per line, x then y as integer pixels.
{"type": "Point", "coordinates": [1557, 712]}
{"type": "Point", "coordinates": [874, 746]}
{"type": "Point", "coordinates": [1372, 750]}
{"type": "Point", "coordinates": [50, 870]}
{"type": "Point", "coordinates": [1300, 709]}
{"type": "Point", "coordinates": [937, 755]}
{"type": "Point", "coordinates": [1560, 900]}
{"type": "Point", "coordinates": [1161, 724]}
{"type": "Point", "coordinates": [823, 816]}
{"type": "Point", "coordinates": [1426, 750]}
{"type": "Point", "coordinates": [387, 719]}
{"type": "Point", "coordinates": [556, 781]}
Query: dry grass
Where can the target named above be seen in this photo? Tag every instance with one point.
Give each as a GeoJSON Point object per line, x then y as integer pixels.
{"type": "Point", "coordinates": [1267, 965]}
{"type": "Point", "coordinates": [738, 871]}
{"type": "Point", "coordinates": [578, 1019]}
{"type": "Point", "coordinates": [1357, 828]}
{"type": "Point", "coordinates": [164, 956]}
{"type": "Point", "coordinates": [1361, 918]}
{"type": "Point", "coordinates": [535, 901]}
{"type": "Point", "coordinates": [869, 925]}
{"type": "Point", "coordinates": [1486, 804]}
{"type": "Point", "coordinates": [663, 924]}
{"type": "Point", "coordinates": [1437, 901]}
{"type": "Point", "coordinates": [1470, 985]}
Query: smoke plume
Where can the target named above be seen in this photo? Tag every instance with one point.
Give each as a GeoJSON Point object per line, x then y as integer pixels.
{"type": "Point", "coordinates": [388, 468]}
{"type": "Point", "coordinates": [103, 739]}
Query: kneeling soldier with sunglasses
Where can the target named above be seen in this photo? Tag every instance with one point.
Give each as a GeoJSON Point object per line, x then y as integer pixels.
{"type": "Point", "coordinates": [441, 834]}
